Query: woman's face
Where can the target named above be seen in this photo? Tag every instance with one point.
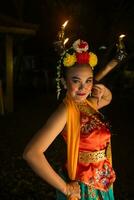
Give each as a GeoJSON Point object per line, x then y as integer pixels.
{"type": "Point", "coordinates": [79, 82]}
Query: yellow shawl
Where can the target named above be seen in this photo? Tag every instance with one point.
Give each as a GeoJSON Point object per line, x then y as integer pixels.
{"type": "Point", "coordinates": [73, 135]}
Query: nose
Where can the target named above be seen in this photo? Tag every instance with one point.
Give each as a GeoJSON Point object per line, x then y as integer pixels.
{"type": "Point", "coordinates": [81, 86]}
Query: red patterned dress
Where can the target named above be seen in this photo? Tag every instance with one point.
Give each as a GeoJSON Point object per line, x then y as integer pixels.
{"type": "Point", "coordinates": [94, 170]}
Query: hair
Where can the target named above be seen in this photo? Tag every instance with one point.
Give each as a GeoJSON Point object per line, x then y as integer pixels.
{"type": "Point", "coordinates": [65, 70]}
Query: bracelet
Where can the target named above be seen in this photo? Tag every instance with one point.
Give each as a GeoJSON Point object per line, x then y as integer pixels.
{"type": "Point", "coordinates": [121, 55]}
{"type": "Point", "coordinates": [67, 190]}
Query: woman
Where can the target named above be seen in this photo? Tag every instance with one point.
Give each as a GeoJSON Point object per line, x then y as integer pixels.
{"type": "Point", "coordinates": [89, 172]}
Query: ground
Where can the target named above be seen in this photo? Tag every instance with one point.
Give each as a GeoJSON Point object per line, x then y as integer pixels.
{"type": "Point", "coordinates": [31, 109]}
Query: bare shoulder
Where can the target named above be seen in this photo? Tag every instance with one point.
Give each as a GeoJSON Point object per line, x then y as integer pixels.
{"type": "Point", "coordinates": [58, 115]}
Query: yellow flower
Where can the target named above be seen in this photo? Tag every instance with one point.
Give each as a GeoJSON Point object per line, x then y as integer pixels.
{"type": "Point", "coordinates": [92, 59]}
{"type": "Point", "coordinates": [69, 60]}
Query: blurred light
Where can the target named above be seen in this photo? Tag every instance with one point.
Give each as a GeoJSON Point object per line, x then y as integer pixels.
{"type": "Point", "coordinates": [65, 24]}
{"type": "Point", "coordinates": [102, 47]}
{"type": "Point", "coordinates": [65, 41]}
{"type": "Point", "coordinates": [122, 36]}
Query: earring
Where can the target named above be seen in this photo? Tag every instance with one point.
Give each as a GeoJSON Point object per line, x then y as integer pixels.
{"type": "Point", "coordinates": [65, 87]}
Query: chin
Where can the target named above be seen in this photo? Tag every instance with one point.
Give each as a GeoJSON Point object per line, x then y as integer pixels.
{"type": "Point", "coordinates": [80, 98]}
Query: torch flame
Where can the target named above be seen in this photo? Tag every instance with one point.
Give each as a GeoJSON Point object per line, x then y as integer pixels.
{"type": "Point", "coordinates": [65, 24]}
{"type": "Point", "coordinates": [122, 36]}
{"type": "Point", "coordinates": [65, 41]}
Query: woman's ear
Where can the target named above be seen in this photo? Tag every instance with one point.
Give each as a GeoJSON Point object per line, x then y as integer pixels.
{"type": "Point", "coordinates": [64, 83]}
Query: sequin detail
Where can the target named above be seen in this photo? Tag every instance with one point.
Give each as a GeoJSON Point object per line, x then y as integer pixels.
{"type": "Point", "coordinates": [90, 157]}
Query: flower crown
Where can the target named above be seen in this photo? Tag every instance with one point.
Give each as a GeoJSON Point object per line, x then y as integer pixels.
{"type": "Point", "coordinates": [77, 54]}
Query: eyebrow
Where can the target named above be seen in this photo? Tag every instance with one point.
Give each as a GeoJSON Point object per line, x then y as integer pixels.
{"type": "Point", "coordinates": [75, 77]}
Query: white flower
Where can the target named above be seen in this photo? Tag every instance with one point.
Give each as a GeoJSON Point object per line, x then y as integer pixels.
{"type": "Point", "coordinates": [80, 46]}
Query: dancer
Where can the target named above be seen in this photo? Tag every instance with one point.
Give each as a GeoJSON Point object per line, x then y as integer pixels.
{"type": "Point", "coordinates": [88, 172]}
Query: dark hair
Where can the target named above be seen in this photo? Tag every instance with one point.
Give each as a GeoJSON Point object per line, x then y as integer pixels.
{"type": "Point", "coordinates": [64, 69]}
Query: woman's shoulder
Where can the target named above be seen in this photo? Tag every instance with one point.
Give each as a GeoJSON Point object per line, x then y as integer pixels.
{"type": "Point", "coordinates": [57, 120]}
{"type": "Point", "coordinates": [59, 114]}
{"type": "Point", "coordinates": [61, 108]}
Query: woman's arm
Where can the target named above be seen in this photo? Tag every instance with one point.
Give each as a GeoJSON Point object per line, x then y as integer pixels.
{"type": "Point", "coordinates": [34, 151]}
{"type": "Point", "coordinates": [105, 70]}
{"type": "Point", "coordinates": [101, 95]}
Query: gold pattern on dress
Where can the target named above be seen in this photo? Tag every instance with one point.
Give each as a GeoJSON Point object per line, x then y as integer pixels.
{"type": "Point", "coordinates": [95, 123]}
{"type": "Point", "coordinates": [84, 108]}
{"type": "Point", "coordinates": [90, 157]}
{"type": "Point", "coordinates": [109, 152]}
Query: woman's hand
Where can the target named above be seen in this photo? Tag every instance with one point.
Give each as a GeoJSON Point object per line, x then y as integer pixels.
{"type": "Point", "coordinates": [101, 96]}
{"type": "Point", "coordinates": [98, 91]}
{"type": "Point", "coordinates": [73, 190]}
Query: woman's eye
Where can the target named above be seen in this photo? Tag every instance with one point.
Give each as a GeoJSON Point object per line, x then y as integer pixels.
{"type": "Point", "coordinates": [76, 81]}
{"type": "Point", "coordinates": [89, 81]}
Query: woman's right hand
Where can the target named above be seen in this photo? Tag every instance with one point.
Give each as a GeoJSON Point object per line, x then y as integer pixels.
{"type": "Point", "coordinates": [73, 190]}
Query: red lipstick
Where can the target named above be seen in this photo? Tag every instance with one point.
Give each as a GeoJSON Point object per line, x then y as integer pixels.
{"type": "Point", "coordinates": [81, 94]}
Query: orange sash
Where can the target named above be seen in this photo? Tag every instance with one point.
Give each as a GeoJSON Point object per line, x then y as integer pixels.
{"type": "Point", "coordinates": [73, 135]}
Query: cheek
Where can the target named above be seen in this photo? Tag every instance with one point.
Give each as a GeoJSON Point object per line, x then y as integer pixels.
{"type": "Point", "coordinates": [89, 87]}
{"type": "Point", "coordinates": [73, 88]}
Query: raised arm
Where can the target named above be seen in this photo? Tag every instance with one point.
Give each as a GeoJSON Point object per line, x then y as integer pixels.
{"type": "Point", "coordinates": [120, 56]}
{"type": "Point", "coordinates": [106, 69]}
{"type": "Point", "coordinates": [101, 95]}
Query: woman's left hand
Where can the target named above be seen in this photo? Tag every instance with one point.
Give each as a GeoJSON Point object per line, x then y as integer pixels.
{"type": "Point", "coordinates": [98, 91]}
{"type": "Point", "coordinates": [101, 95]}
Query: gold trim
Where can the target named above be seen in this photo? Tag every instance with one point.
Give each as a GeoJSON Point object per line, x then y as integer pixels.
{"type": "Point", "coordinates": [109, 152]}
{"type": "Point", "coordinates": [90, 157]}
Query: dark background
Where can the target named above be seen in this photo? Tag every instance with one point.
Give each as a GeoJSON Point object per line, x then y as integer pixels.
{"type": "Point", "coordinates": [98, 22]}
